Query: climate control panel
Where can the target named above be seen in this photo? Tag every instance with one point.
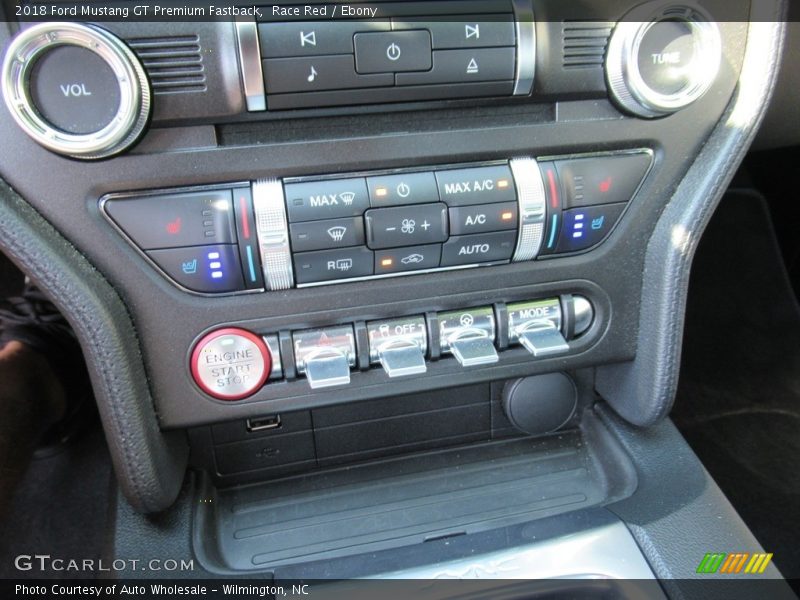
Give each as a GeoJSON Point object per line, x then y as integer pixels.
{"type": "Point", "coordinates": [277, 234]}
{"type": "Point", "coordinates": [232, 363]}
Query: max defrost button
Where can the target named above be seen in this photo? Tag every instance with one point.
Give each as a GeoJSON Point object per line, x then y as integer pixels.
{"type": "Point", "coordinates": [331, 199]}
{"type": "Point", "coordinates": [231, 364]}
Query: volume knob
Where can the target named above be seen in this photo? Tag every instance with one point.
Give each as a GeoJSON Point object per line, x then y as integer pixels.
{"type": "Point", "coordinates": [76, 89]}
{"type": "Point", "coordinates": [662, 59]}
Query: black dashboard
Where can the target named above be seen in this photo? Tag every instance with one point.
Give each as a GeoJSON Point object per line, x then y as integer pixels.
{"type": "Point", "coordinates": [282, 215]}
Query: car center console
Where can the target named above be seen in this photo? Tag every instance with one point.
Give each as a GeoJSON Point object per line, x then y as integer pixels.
{"type": "Point", "coordinates": [272, 186]}
{"type": "Point", "coordinates": [331, 238]}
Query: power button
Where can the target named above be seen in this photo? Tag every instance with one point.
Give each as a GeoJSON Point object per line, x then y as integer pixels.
{"type": "Point", "coordinates": [231, 363]}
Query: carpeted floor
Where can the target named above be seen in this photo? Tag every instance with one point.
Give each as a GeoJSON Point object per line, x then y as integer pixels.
{"type": "Point", "coordinates": [738, 400]}
{"type": "Point", "coordinates": [61, 507]}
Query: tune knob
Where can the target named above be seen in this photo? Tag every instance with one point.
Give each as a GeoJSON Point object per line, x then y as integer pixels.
{"type": "Point", "coordinates": [76, 89]}
{"type": "Point", "coordinates": [662, 59]}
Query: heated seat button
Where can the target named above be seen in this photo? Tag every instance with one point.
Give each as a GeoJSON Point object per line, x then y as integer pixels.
{"type": "Point", "coordinates": [333, 233]}
{"type": "Point", "coordinates": [602, 179]}
{"type": "Point", "coordinates": [582, 228]}
{"type": "Point", "coordinates": [206, 269]}
{"type": "Point", "coordinates": [326, 265]}
{"type": "Point", "coordinates": [406, 225]}
{"type": "Point", "coordinates": [483, 218]}
{"type": "Point", "coordinates": [476, 185]}
{"type": "Point", "coordinates": [393, 51]}
{"type": "Point", "coordinates": [414, 258]}
{"type": "Point", "coordinates": [407, 188]}
{"type": "Point", "coordinates": [330, 199]}
{"type": "Point", "coordinates": [231, 363]}
{"type": "Point", "coordinates": [175, 220]}
{"type": "Point", "coordinates": [480, 248]}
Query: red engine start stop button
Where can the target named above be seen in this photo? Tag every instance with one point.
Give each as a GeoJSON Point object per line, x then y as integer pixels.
{"type": "Point", "coordinates": [231, 363]}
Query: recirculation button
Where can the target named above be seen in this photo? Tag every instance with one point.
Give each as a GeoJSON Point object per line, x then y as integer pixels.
{"type": "Point", "coordinates": [231, 364]}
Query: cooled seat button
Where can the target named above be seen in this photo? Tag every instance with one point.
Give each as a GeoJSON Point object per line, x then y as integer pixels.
{"type": "Point", "coordinates": [231, 364]}
{"type": "Point", "coordinates": [582, 228]}
{"type": "Point", "coordinates": [206, 269]}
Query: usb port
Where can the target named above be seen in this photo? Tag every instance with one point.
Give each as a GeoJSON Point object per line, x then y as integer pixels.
{"type": "Point", "coordinates": [263, 423]}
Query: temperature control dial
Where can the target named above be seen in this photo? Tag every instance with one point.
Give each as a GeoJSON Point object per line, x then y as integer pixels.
{"type": "Point", "coordinates": [661, 60]}
{"type": "Point", "coordinates": [76, 89]}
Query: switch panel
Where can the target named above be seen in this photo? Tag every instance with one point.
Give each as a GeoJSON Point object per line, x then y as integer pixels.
{"type": "Point", "coordinates": [231, 363]}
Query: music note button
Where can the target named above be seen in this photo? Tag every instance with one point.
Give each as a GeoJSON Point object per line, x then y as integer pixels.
{"type": "Point", "coordinates": [317, 73]}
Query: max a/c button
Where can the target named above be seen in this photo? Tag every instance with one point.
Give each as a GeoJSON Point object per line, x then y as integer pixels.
{"type": "Point", "coordinates": [481, 248]}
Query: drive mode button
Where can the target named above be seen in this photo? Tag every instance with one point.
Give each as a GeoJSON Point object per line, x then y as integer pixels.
{"type": "Point", "coordinates": [481, 248]}
{"type": "Point", "coordinates": [330, 199]}
{"type": "Point", "coordinates": [478, 185]}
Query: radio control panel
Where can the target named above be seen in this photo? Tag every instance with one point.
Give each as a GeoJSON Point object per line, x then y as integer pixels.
{"type": "Point", "coordinates": [277, 234]}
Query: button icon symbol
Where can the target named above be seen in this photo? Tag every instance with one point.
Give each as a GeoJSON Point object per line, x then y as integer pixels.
{"type": "Point", "coordinates": [598, 222]}
{"type": "Point", "coordinates": [408, 226]}
{"type": "Point", "coordinates": [309, 38]}
{"type": "Point", "coordinates": [343, 264]}
{"type": "Point", "coordinates": [425, 225]}
{"type": "Point", "coordinates": [347, 198]}
{"type": "Point", "coordinates": [403, 190]}
{"type": "Point", "coordinates": [605, 185]}
{"type": "Point", "coordinates": [313, 75]}
{"type": "Point", "coordinates": [467, 320]}
{"type": "Point", "coordinates": [393, 52]}
{"type": "Point", "coordinates": [337, 233]}
{"type": "Point", "coordinates": [472, 67]}
{"type": "Point", "coordinates": [472, 31]}
{"type": "Point", "coordinates": [189, 267]}
{"type": "Point", "coordinates": [412, 259]}
{"type": "Point", "coordinates": [174, 227]}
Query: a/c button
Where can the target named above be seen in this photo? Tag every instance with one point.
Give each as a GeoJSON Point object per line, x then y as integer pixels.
{"type": "Point", "coordinates": [481, 248]}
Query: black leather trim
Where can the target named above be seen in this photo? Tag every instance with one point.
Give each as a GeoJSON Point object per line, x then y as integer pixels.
{"type": "Point", "coordinates": [643, 391]}
{"type": "Point", "coordinates": [149, 463]}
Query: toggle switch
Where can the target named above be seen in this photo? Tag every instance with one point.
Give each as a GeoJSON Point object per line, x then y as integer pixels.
{"type": "Point", "coordinates": [325, 356]}
{"type": "Point", "coordinates": [469, 336]}
{"type": "Point", "coordinates": [399, 345]}
{"type": "Point", "coordinates": [536, 325]}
